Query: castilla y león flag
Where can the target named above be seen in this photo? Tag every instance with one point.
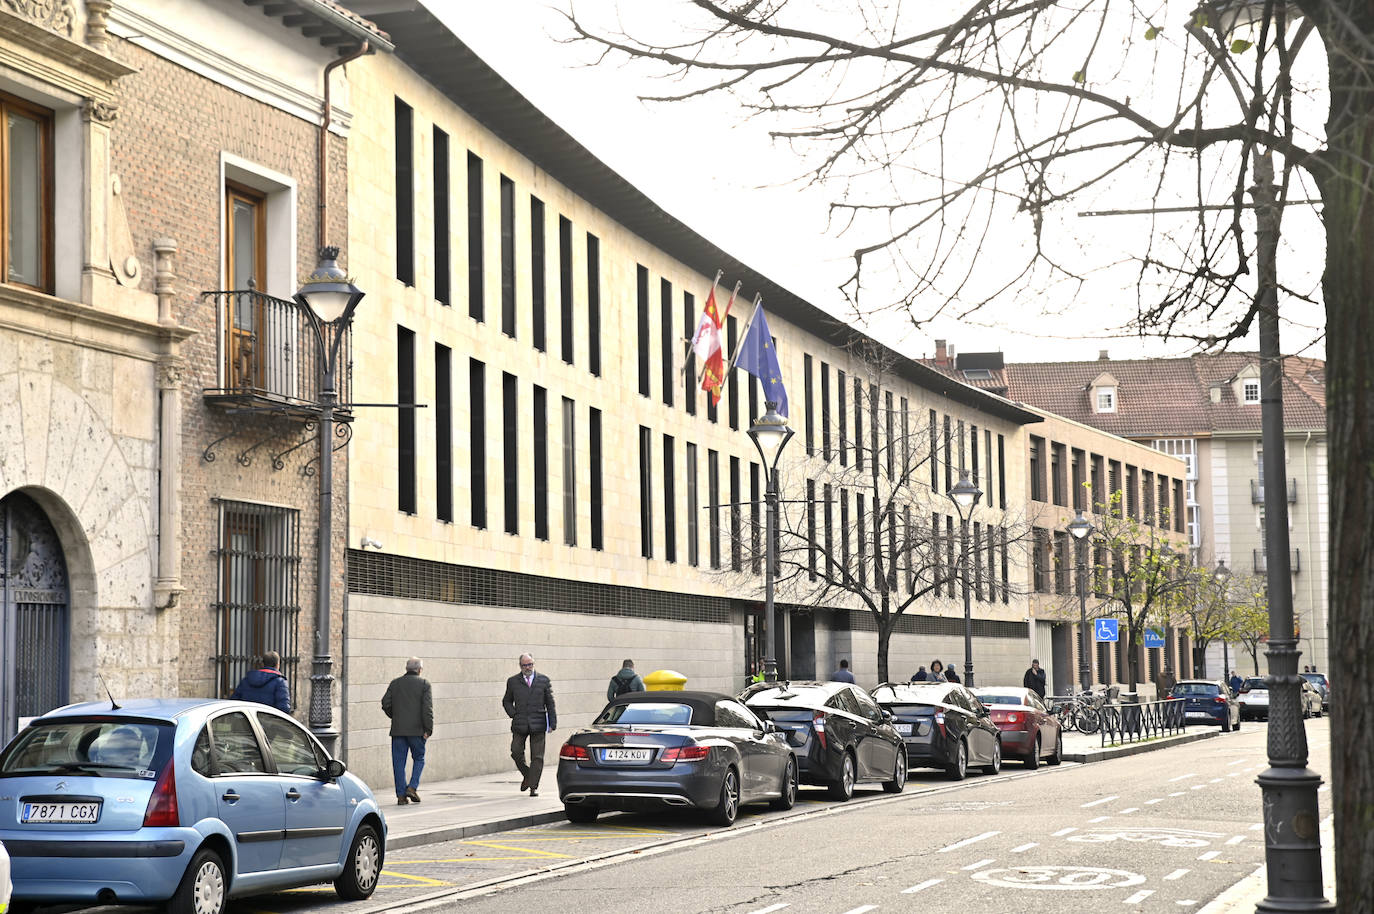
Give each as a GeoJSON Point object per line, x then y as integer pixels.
{"type": "Point", "coordinates": [706, 344]}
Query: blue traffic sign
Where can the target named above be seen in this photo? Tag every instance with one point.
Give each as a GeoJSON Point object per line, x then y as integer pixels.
{"type": "Point", "coordinates": [1153, 638]}
{"type": "Point", "coordinates": [1106, 630]}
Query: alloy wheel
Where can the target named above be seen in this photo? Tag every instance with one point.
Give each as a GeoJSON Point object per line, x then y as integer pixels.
{"type": "Point", "coordinates": [366, 862]}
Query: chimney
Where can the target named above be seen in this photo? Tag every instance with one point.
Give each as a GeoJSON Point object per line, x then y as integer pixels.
{"type": "Point", "coordinates": [940, 358]}
{"type": "Point", "coordinates": [1102, 355]}
{"type": "Point", "coordinates": [1215, 393]}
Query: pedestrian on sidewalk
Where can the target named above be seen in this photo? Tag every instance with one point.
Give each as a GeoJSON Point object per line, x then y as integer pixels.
{"type": "Point", "coordinates": [920, 675]}
{"type": "Point", "coordinates": [842, 674]}
{"type": "Point", "coordinates": [627, 680]}
{"type": "Point", "coordinates": [266, 686]}
{"type": "Point", "coordinates": [528, 703]}
{"type": "Point", "coordinates": [1035, 679]}
{"type": "Point", "coordinates": [936, 672]}
{"type": "Point", "coordinates": [409, 703]}
{"type": "Point", "coordinates": [951, 675]}
{"type": "Point", "coordinates": [1235, 682]}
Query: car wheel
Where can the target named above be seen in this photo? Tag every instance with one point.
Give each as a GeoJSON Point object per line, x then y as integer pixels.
{"type": "Point", "coordinates": [581, 813]}
{"type": "Point", "coordinates": [1058, 751]}
{"type": "Point", "coordinates": [203, 889]}
{"type": "Point", "coordinates": [959, 768]}
{"type": "Point", "coordinates": [898, 782]}
{"type": "Point", "coordinates": [1226, 723]}
{"type": "Point", "coordinates": [996, 765]}
{"type": "Point", "coordinates": [1033, 760]}
{"type": "Point", "coordinates": [1239, 718]}
{"type": "Point", "coordinates": [727, 810]}
{"type": "Point", "coordinates": [362, 867]}
{"type": "Point", "coordinates": [843, 788]}
{"type": "Point", "coordinates": [789, 788]}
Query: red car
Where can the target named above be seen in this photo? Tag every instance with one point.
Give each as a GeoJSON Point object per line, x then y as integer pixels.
{"type": "Point", "coordinates": [1029, 731]}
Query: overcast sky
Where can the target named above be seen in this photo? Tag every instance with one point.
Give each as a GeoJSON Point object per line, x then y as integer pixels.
{"type": "Point", "coordinates": [722, 175]}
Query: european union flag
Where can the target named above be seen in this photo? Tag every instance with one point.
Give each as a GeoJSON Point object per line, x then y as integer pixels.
{"type": "Point", "coordinates": [759, 357]}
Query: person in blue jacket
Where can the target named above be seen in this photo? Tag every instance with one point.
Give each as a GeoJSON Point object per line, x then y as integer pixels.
{"type": "Point", "coordinates": [266, 686]}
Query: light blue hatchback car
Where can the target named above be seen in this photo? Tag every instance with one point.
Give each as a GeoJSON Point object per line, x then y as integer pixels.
{"type": "Point", "coordinates": [187, 801]}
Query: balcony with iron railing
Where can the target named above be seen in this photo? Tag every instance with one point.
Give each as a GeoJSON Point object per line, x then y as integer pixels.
{"type": "Point", "coordinates": [269, 359]}
{"type": "Point", "coordinates": [1257, 491]}
{"type": "Point", "coordinates": [1262, 565]}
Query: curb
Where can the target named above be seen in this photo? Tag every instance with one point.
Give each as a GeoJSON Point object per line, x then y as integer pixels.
{"type": "Point", "coordinates": [470, 830]}
{"type": "Point", "coordinates": [1102, 755]}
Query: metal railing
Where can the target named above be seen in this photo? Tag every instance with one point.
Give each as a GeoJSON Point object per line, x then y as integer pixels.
{"type": "Point", "coordinates": [1257, 491]}
{"type": "Point", "coordinates": [1261, 561]}
{"type": "Point", "coordinates": [1134, 722]}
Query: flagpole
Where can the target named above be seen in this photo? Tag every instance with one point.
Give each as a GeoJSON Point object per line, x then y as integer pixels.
{"type": "Point", "coordinates": [688, 347]}
{"type": "Point", "coordinates": [728, 305]}
{"type": "Point", "coordinates": [739, 344]}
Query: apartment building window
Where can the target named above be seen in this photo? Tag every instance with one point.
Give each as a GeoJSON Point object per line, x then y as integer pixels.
{"type": "Point", "coordinates": [753, 385]}
{"type": "Point", "coordinates": [646, 493]}
{"type": "Point", "coordinates": [841, 412]}
{"type": "Point", "coordinates": [755, 527]}
{"type": "Point", "coordinates": [808, 409]}
{"type": "Point", "coordinates": [736, 518]}
{"type": "Point", "coordinates": [987, 449]}
{"type": "Point", "coordinates": [811, 529]}
{"type": "Point", "coordinates": [507, 256]}
{"type": "Point", "coordinates": [976, 559]}
{"type": "Point", "coordinates": [570, 470]}
{"type": "Point", "coordinates": [732, 382]}
{"type": "Point", "coordinates": [1164, 502]}
{"type": "Point", "coordinates": [712, 411]}
{"type": "Point", "coordinates": [1114, 486]}
{"type": "Point", "coordinates": [949, 456]}
{"type": "Point", "coordinates": [861, 537]}
{"type": "Point", "coordinates": [538, 276]}
{"type": "Point", "coordinates": [973, 455]}
{"type": "Point", "coordinates": [540, 435]}
{"type": "Point", "coordinates": [405, 420]}
{"type": "Point", "coordinates": [1037, 468]}
{"type": "Point", "coordinates": [665, 327]}
{"type": "Point", "coordinates": [259, 604]}
{"type": "Point", "coordinates": [1006, 569]}
{"type": "Point", "coordinates": [593, 305]}
{"type": "Point", "coordinates": [1040, 559]}
{"type": "Point", "coordinates": [693, 554]}
{"type": "Point", "coordinates": [26, 182]}
{"type": "Point", "coordinates": [845, 568]}
{"type": "Point", "coordinates": [245, 253]}
{"type": "Point", "coordinates": [1132, 493]}
{"type": "Point", "coordinates": [442, 238]}
{"type": "Point", "coordinates": [1061, 562]}
{"type": "Point", "coordinates": [477, 441]}
{"type": "Point", "coordinates": [689, 374]}
{"type": "Point", "coordinates": [669, 502]}
{"type": "Point", "coordinates": [1057, 469]}
{"type": "Point", "coordinates": [1106, 399]}
{"type": "Point", "coordinates": [405, 194]}
{"type": "Point", "coordinates": [1147, 489]}
{"type": "Point", "coordinates": [859, 424]}
{"type": "Point", "coordinates": [1180, 510]}
{"type": "Point", "coordinates": [828, 521]}
{"type": "Point", "coordinates": [891, 557]}
{"type": "Point", "coordinates": [1076, 460]}
{"type": "Point", "coordinates": [949, 554]}
{"type": "Point", "coordinates": [934, 457]}
{"type": "Point", "coordinates": [959, 437]}
{"type": "Point", "coordinates": [1099, 492]}
{"type": "Point", "coordinates": [565, 287]}
{"type": "Point", "coordinates": [1250, 391]}
{"type": "Point", "coordinates": [594, 477]}
{"type": "Point", "coordinates": [443, 432]}
{"type": "Point", "coordinates": [1002, 471]}
{"type": "Point", "coordinates": [642, 323]}
{"type": "Point", "coordinates": [476, 267]}
{"type": "Point", "coordinates": [713, 506]}
{"type": "Point", "coordinates": [510, 434]}
{"type": "Point", "coordinates": [908, 547]}
{"type": "Point", "coordinates": [891, 426]}
{"type": "Point", "coordinates": [825, 411]}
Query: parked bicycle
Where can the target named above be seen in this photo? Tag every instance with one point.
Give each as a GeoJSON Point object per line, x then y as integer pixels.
{"type": "Point", "coordinates": [1082, 712]}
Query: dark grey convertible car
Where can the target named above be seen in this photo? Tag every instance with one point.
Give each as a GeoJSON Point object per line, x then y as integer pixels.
{"type": "Point", "coordinates": [656, 750]}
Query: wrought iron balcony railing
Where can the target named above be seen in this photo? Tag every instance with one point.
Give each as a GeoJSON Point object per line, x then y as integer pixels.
{"type": "Point", "coordinates": [1262, 564]}
{"type": "Point", "coordinates": [1257, 491]}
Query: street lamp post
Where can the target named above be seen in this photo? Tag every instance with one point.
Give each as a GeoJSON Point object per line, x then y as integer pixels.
{"type": "Point", "coordinates": [1082, 528]}
{"type": "Point", "coordinates": [770, 435]}
{"type": "Point", "coordinates": [328, 298]}
{"type": "Point", "coordinates": [1223, 577]}
{"type": "Point", "coordinates": [965, 495]}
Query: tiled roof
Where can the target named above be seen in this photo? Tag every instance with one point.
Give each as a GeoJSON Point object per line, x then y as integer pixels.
{"type": "Point", "coordinates": [1169, 397]}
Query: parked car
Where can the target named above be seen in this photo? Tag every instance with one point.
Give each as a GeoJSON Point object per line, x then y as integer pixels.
{"type": "Point", "coordinates": [184, 801]}
{"type": "Point", "coordinates": [1254, 699]}
{"type": "Point", "coordinates": [1322, 685]}
{"type": "Point", "coordinates": [1311, 699]}
{"type": "Point", "coordinates": [840, 735]}
{"type": "Point", "coordinates": [5, 885]}
{"type": "Point", "coordinates": [1207, 701]}
{"type": "Point", "coordinates": [1029, 731]}
{"type": "Point", "coordinates": [664, 750]}
{"type": "Point", "coordinates": [944, 725]}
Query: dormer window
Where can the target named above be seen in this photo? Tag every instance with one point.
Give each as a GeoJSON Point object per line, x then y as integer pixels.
{"type": "Point", "coordinates": [1106, 399]}
{"type": "Point", "coordinates": [1250, 391]}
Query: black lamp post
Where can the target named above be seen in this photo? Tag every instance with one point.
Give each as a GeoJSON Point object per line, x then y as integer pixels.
{"type": "Point", "coordinates": [1223, 578]}
{"type": "Point", "coordinates": [965, 496]}
{"type": "Point", "coordinates": [1082, 528]}
{"type": "Point", "coordinates": [328, 299]}
{"type": "Point", "coordinates": [770, 435]}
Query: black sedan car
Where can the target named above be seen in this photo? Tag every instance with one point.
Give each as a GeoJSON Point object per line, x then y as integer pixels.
{"type": "Point", "coordinates": [657, 750]}
{"type": "Point", "coordinates": [944, 726]}
{"type": "Point", "coordinates": [840, 735]}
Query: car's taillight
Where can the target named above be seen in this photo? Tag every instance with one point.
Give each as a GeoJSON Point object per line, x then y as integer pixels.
{"type": "Point", "coordinates": [1013, 717]}
{"type": "Point", "coordinates": [818, 725]}
{"type": "Point", "coordinates": [162, 805]}
{"type": "Point", "coordinates": [573, 753]}
{"type": "Point", "coordinates": [940, 722]}
{"type": "Point", "coordinates": [685, 754]}
{"type": "Point", "coordinates": [1220, 699]}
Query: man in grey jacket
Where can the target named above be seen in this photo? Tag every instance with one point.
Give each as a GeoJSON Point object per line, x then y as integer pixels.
{"type": "Point", "coordinates": [410, 705]}
{"type": "Point", "coordinates": [528, 703]}
{"type": "Point", "coordinates": [627, 680]}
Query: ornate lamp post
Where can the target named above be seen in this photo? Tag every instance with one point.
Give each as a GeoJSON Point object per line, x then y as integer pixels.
{"type": "Point", "coordinates": [1082, 528]}
{"type": "Point", "coordinates": [328, 299]}
{"type": "Point", "coordinates": [1223, 578]}
{"type": "Point", "coordinates": [770, 435]}
{"type": "Point", "coordinates": [965, 496]}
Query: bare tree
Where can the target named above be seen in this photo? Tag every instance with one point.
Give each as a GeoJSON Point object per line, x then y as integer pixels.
{"type": "Point", "coordinates": [1248, 613]}
{"type": "Point", "coordinates": [1209, 612]}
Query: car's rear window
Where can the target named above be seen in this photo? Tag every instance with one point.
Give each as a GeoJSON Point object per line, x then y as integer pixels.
{"type": "Point", "coordinates": [1196, 688]}
{"type": "Point", "coordinates": [1316, 678]}
{"type": "Point", "coordinates": [103, 747]}
{"type": "Point", "coordinates": [907, 710]}
{"type": "Point", "coordinates": [647, 713]}
{"type": "Point", "coordinates": [989, 698]}
{"type": "Point", "coordinates": [1253, 684]}
{"type": "Point", "coordinates": [789, 698]}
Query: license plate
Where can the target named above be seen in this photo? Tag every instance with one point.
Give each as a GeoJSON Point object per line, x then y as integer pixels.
{"type": "Point", "coordinates": [1198, 714]}
{"type": "Point", "coordinates": [904, 729]}
{"type": "Point", "coordinates": [59, 812]}
{"type": "Point", "coordinates": [626, 755]}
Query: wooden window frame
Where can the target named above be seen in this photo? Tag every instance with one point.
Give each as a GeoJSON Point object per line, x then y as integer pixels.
{"type": "Point", "coordinates": [46, 219]}
{"type": "Point", "coordinates": [243, 367]}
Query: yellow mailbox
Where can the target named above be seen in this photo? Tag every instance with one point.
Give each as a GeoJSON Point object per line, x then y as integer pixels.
{"type": "Point", "coordinates": [665, 681]}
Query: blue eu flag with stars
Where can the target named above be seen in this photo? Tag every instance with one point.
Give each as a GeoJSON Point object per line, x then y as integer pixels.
{"type": "Point", "coordinates": [759, 357]}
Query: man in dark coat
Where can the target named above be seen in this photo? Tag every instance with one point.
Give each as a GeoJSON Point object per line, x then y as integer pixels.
{"type": "Point", "coordinates": [528, 703]}
{"type": "Point", "coordinates": [627, 680]}
{"type": "Point", "coordinates": [266, 686]}
{"type": "Point", "coordinates": [1035, 679]}
{"type": "Point", "coordinates": [409, 703]}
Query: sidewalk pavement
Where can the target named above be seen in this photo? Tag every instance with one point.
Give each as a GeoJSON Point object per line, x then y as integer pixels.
{"type": "Point", "coordinates": [486, 803]}
{"type": "Point", "coordinates": [1243, 897]}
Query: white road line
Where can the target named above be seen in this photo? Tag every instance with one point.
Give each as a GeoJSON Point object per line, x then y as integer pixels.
{"type": "Point", "coordinates": [1239, 761]}
{"type": "Point", "coordinates": [921, 885]}
{"type": "Point", "coordinates": [1235, 774]}
{"type": "Point", "coordinates": [1236, 840]}
{"type": "Point", "coordinates": [1177, 793]}
{"type": "Point", "coordinates": [1128, 810]}
{"type": "Point", "coordinates": [1024, 847]}
{"type": "Point", "coordinates": [967, 841]}
{"type": "Point", "coordinates": [979, 865]}
{"type": "Point", "coordinates": [1140, 896]}
{"type": "Point", "coordinates": [1185, 902]}
{"type": "Point", "coordinates": [1098, 819]}
{"type": "Point", "coordinates": [1210, 855]}
{"type": "Point", "coordinates": [1177, 874]}
{"type": "Point", "coordinates": [1099, 802]}
{"type": "Point", "coordinates": [1257, 826]}
{"type": "Point", "coordinates": [1064, 831]}
{"type": "Point", "coordinates": [1198, 787]}
{"type": "Point", "coordinates": [861, 909]}
{"type": "Point", "coordinates": [1154, 801]}
{"type": "Point", "coordinates": [1214, 781]}
{"type": "Point", "coordinates": [1182, 777]}
{"type": "Point", "coordinates": [1323, 788]}
{"type": "Point", "coordinates": [771, 908]}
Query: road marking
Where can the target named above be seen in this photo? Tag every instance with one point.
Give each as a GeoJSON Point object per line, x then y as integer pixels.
{"type": "Point", "coordinates": [862, 908]}
{"type": "Point", "coordinates": [1239, 761]}
{"type": "Point", "coordinates": [1140, 896]}
{"type": "Point", "coordinates": [1235, 774]}
{"type": "Point", "coordinates": [1098, 819]}
{"type": "Point", "coordinates": [1063, 831]}
{"type": "Point", "coordinates": [1099, 802]}
{"type": "Point", "coordinates": [1177, 793]}
{"type": "Point", "coordinates": [921, 885]}
{"type": "Point", "coordinates": [771, 908]}
{"type": "Point", "coordinates": [1323, 788]}
{"type": "Point", "coordinates": [1257, 826]}
{"type": "Point", "coordinates": [1198, 787]}
{"type": "Point", "coordinates": [1024, 847]}
{"type": "Point", "coordinates": [1185, 902]}
{"type": "Point", "coordinates": [1236, 840]}
{"type": "Point", "coordinates": [1210, 855]}
{"type": "Point", "coordinates": [979, 864]}
{"type": "Point", "coordinates": [1177, 874]}
{"type": "Point", "coordinates": [1214, 781]}
{"type": "Point", "coordinates": [1183, 777]}
{"type": "Point", "coordinates": [967, 841]}
{"type": "Point", "coordinates": [1154, 801]}
{"type": "Point", "coordinates": [1128, 810]}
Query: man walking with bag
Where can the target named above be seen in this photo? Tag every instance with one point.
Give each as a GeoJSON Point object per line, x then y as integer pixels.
{"type": "Point", "coordinates": [409, 703]}
{"type": "Point", "coordinates": [528, 703]}
{"type": "Point", "coordinates": [627, 680]}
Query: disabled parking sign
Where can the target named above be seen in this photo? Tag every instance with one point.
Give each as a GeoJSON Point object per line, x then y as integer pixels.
{"type": "Point", "coordinates": [1106, 629]}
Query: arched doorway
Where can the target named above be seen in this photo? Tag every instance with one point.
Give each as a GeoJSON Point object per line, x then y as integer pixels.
{"type": "Point", "coordinates": [34, 613]}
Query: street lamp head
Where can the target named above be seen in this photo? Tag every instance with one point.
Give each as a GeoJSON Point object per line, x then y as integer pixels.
{"type": "Point", "coordinates": [1080, 527]}
{"type": "Point", "coordinates": [965, 495]}
{"type": "Point", "coordinates": [770, 434]}
{"type": "Point", "coordinates": [1222, 573]}
{"type": "Point", "coordinates": [329, 292]}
